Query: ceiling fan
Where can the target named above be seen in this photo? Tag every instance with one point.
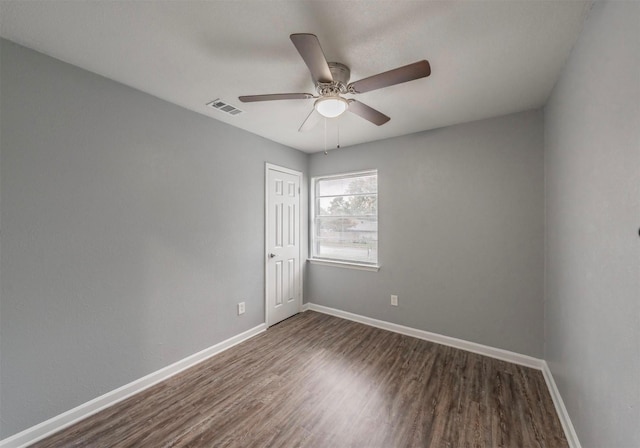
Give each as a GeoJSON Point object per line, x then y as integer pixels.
{"type": "Point", "coordinates": [332, 81]}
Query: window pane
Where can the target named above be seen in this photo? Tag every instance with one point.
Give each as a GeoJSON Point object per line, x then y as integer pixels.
{"type": "Point", "coordinates": [348, 185]}
{"type": "Point", "coordinates": [345, 221]}
{"type": "Point", "coordinates": [348, 205]}
{"type": "Point", "coordinates": [347, 238]}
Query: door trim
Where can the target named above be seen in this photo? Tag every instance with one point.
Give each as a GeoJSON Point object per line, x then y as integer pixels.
{"type": "Point", "coordinates": [267, 167]}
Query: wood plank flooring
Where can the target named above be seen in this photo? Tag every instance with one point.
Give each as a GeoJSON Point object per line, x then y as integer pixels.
{"type": "Point", "coordinates": [319, 381]}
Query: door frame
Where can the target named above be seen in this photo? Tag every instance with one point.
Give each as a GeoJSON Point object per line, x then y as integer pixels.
{"type": "Point", "coordinates": [270, 166]}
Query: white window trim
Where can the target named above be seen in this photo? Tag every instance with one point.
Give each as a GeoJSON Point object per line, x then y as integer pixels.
{"type": "Point", "coordinates": [345, 264]}
{"type": "Point", "coordinates": [327, 261]}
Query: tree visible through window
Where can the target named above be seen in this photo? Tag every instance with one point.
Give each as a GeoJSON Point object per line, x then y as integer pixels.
{"type": "Point", "coordinates": [345, 218]}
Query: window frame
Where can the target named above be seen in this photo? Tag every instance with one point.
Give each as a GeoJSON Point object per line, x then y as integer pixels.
{"type": "Point", "coordinates": [352, 264]}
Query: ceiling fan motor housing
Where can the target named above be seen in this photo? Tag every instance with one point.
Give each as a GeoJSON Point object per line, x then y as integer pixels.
{"type": "Point", "coordinates": [341, 75]}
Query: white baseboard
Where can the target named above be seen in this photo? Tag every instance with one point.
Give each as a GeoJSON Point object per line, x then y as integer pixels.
{"type": "Point", "coordinates": [66, 419]}
{"type": "Point", "coordinates": [567, 426]}
{"type": "Point", "coordinates": [498, 353]}
{"type": "Point", "coordinates": [305, 307]}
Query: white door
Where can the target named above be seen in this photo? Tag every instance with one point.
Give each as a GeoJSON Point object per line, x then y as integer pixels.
{"type": "Point", "coordinates": [283, 271]}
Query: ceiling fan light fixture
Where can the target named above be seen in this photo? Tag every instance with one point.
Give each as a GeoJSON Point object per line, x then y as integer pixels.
{"type": "Point", "coordinates": [331, 106]}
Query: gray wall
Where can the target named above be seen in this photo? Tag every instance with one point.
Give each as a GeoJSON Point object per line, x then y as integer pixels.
{"type": "Point", "coordinates": [130, 229]}
{"type": "Point", "coordinates": [592, 309]}
{"type": "Point", "coordinates": [460, 235]}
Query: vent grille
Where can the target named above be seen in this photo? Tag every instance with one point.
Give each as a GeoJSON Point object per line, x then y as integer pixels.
{"type": "Point", "coordinates": [225, 107]}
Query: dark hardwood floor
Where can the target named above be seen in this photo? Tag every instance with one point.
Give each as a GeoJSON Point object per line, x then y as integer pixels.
{"type": "Point", "coordinates": [320, 381]}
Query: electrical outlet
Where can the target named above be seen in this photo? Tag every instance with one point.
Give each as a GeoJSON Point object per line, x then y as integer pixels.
{"type": "Point", "coordinates": [240, 308]}
{"type": "Point", "coordinates": [394, 300]}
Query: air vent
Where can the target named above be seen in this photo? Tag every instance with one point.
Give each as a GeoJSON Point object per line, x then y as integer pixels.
{"type": "Point", "coordinates": [225, 107]}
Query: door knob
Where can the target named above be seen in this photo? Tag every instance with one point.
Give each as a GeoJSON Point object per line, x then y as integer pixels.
{"type": "Point", "coordinates": [272, 255]}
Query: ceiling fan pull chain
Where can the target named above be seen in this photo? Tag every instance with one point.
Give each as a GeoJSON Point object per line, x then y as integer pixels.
{"type": "Point", "coordinates": [325, 137]}
{"type": "Point", "coordinates": [338, 128]}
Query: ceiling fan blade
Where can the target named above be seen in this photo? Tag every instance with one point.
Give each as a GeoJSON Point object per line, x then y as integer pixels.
{"type": "Point", "coordinates": [368, 113]}
{"type": "Point", "coordinates": [275, 96]}
{"type": "Point", "coordinates": [399, 75]}
{"type": "Point", "coordinates": [311, 121]}
{"type": "Point", "coordinates": [309, 48]}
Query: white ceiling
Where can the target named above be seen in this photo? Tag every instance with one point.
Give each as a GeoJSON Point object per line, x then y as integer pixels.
{"type": "Point", "coordinates": [488, 58]}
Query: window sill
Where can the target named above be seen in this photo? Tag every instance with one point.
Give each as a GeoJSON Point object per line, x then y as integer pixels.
{"type": "Point", "coordinates": [344, 264]}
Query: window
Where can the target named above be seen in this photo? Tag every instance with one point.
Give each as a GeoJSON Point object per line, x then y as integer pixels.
{"type": "Point", "coordinates": [345, 218]}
